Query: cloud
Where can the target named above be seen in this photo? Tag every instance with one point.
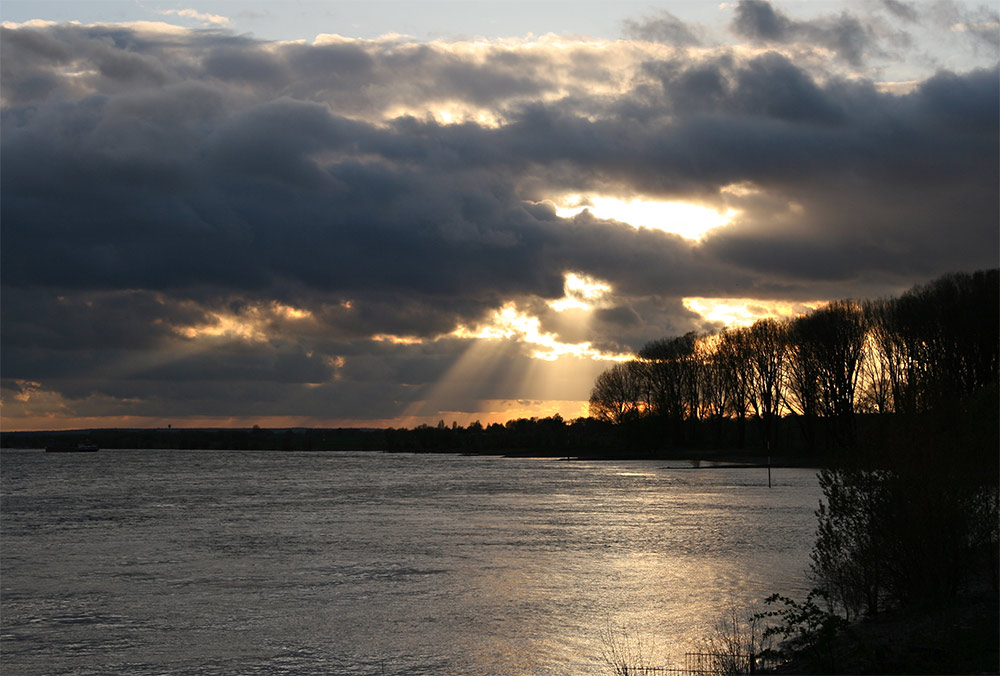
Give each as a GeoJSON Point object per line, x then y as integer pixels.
{"type": "Point", "coordinates": [197, 223]}
{"type": "Point", "coordinates": [904, 10]}
{"type": "Point", "coordinates": [757, 19]}
{"type": "Point", "coordinates": [663, 27]}
{"type": "Point", "coordinates": [211, 19]}
{"type": "Point", "coordinates": [845, 35]}
{"type": "Point", "coordinates": [885, 36]}
{"type": "Point", "coordinates": [981, 23]}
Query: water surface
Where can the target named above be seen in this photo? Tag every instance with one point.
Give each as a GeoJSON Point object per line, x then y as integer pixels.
{"type": "Point", "coordinates": [197, 562]}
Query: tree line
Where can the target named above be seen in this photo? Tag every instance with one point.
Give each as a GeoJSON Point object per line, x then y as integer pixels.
{"type": "Point", "coordinates": [899, 398]}
{"type": "Point", "coordinates": [903, 394]}
{"type": "Point", "coordinates": [549, 436]}
{"type": "Point", "coordinates": [803, 383]}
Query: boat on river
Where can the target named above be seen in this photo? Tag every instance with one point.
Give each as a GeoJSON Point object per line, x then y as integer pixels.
{"type": "Point", "coordinates": [86, 446]}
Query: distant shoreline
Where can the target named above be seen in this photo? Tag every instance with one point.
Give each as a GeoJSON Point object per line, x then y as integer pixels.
{"type": "Point", "coordinates": [698, 458]}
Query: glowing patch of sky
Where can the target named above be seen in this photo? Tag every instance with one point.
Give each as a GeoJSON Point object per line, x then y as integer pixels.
{"type": "Point", "coordinates": [451, 20]}
{"type": "Point", "coordinates": [580, 293]}
{"type": "Point", "coordinates": [491, 411]}
{"type": "Point", "coordinates": [253, 324]}
{"type": "Point", "coordinates": [454, 21]}
{"type": "Point", "coordinates": [690, 221]}
{"type": "Point", "coordinates": [745, 311]}
{"type": "Point", "coordinates": [510, 323]}
{"type": "Point", "coordinates": [397, 340]}
{"type": "Point", "coordinates": [555, 367]}
{"type": "Point", "coordinates": [421, 19]}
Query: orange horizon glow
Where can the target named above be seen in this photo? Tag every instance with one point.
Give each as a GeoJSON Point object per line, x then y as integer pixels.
{"type": "Point", "coordinates": [554, 370]}
{"type": "Point", "coordinates": [499, 411]}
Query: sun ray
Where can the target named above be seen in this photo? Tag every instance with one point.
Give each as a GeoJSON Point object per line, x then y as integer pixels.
{"type": "Point", "coordinates": [483, 363]}
{"type": "Point", "coordinates": [511, 323]}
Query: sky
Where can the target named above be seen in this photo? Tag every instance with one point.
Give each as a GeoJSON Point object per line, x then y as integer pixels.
{"type": "Point", "coordinates": [392, 213]}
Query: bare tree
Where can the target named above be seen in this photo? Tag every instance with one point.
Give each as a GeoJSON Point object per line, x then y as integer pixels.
{"type": "Point", "coordinates": [831, 341]}
{"type": "Point", "coordinates": [671, 375]}
{"type": "Point", "coordinates": [802, 396]}
{"type": "Point", "coordinates": [766, 347]}
{"type": "Point", "coordinates": [881, 365]}
{"type": "Point", "coordinates": [617, 393]}
{"type": "Point", "coordinates": [625, 653]}
{"type": "Point", "coordinates": [715, 386]}
{"type": "Point", "coordinates": [672, 370]}
{"type": "Point", "coordinates": [732, 358]}
{"type": "Point", "coordinates": [949, 331]}
{"type": "Point", "coordinates": [736, 645]}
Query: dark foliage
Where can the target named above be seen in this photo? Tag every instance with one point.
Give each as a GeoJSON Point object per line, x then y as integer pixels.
{"type": "Point", "coordinates": [816, 384]}
{"type": "Point", "coordinates": [809, 631]}
{"type": "Point", "coordinates": [535, 436]}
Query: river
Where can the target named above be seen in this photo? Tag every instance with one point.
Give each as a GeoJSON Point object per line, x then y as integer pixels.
{"type": "Point", "coordinates": [198, 562]}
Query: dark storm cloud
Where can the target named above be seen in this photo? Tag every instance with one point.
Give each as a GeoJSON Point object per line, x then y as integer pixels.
{"type": "Point", "coordinates": [250, 182]}
{"type": "Point", "coordinates": [163, 193]}
{"type": "Point", "coordinates": [981, 23]}
{"type": "Point", "coordinates": [757, 19]}
{"type": "Point", "coordinates": [622, 315]}
{"type": "Point", "coordinates": [846, 35]}
{"type": "Point", "coordinates": [663, 27]}
{"type": "Point", "coordinates": [52, 318]}
{"type": "Point", "coordinates": [904, 10]}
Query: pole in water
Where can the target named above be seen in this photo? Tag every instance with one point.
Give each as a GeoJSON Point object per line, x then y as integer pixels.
{"type": "Point", "coordinates": [767, 447]}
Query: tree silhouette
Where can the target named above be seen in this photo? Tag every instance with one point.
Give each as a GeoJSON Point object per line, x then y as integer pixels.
{"type": "Point", "coordinates": [767, 345]}
{"type": "Point", "coordinates": [831, 343]}
{"type": "Point", "coordinates": [617, 393]}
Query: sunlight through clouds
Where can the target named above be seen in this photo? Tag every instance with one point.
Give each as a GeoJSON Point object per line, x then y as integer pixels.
{"type": "Point", "coordinates": [691, 221]}
{"type": "Point", "coordinates": [211, 19]}
{"type": "Point", "coordinates": [510, 323]}
{"type": "Point", "coordinates": [413, 198]}
{"type": "Point", "coordinates": [448, 113]}
{"type": "Point", "coordinates": [580, 293]}
{"type": "Point", "coordinates": [460, 387]}
{"type": "Point", "coordinates": [495, 354]}
{"type": "Point", "coordinates": [255, 323]}
{"type": "Point", "coordinates": [745, 311]}
{"type": "Point", "coordinates": [397, 340]}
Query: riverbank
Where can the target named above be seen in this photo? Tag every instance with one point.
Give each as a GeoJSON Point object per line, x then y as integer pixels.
{"type": "Point", "coordinates": [705, 459]}
{"type": "Point", "coordinates": [963, 638]}
{"type": "Point", "coordinates": [549, 437]}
